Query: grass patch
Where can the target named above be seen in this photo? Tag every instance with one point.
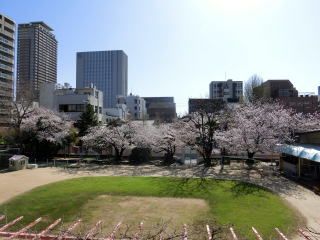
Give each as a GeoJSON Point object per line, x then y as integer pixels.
{"type": "Point", "coordinates": [240, 204]}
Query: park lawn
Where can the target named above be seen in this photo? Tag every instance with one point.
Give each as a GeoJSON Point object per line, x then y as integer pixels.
{"type": "Point", "coordinates": [230, 203]}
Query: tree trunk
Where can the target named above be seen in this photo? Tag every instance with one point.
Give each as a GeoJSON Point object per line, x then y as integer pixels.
{"type": "Point", "coordinates": [250, 160]}
{"type": "Point", "coordinates": [119, 153]}
{"type": "Point", "coordinates": [207, 156]}
{"type": "Point", "coordinates": [168, 157]}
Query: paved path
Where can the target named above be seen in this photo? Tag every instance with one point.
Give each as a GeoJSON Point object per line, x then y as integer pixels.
{"type": "Point", "coordinates": [305, 201]}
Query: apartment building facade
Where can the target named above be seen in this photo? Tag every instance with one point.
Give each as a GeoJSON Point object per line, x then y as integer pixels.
{"type": "Point", "coordinates": [7, 55]}
{"type": "Point", "coordinates": [229, 91]}
{"type": "Point", "coordinates": [36, 59]}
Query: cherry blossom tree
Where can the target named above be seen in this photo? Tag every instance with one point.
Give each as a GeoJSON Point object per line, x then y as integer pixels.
{"type": "Point", "coordinates": [47, 125]}
{"type": "Point", "coordinates": [305, 122]}
{"type": "Point", "coordinates": [42, 129]}
{"type": "Point", "coordinates": [198, 130]}
{"type": "Point", "coordinates": [119, 137]}
{"type": "Point", "coordinates": [257, 127]}
{"type": "Point", "coordinates": [162, 138]}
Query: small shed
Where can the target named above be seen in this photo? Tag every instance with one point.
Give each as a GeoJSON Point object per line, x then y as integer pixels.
{"type": "Point", "coordinates": [301, 160]}
{"type": "Point", "coordinates": [18, 162]}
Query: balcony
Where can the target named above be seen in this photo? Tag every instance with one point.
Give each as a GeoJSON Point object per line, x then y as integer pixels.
{"type": "Point", "coordinates": [6, 59]}
{"type": "Point", "coordinates": [9, 34]}
{"type": "Point", "coordinates": [7, 42]}
{"type": "Point", "coordinates": [10, 26]}
{"type": "Point", "coordinates": [6, 67]}
{"type": "Point", "coordinates": [6, 76]}
{"type": "Point", "coordinates": [6, 50]}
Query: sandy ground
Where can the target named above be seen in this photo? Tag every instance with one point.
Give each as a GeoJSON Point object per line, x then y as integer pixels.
{"type": "Point", "coordinates": [15, 183]}
{"type": "Point", "coordinates": [305, 201]}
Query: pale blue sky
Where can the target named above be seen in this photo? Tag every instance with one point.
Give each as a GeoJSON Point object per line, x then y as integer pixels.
{"type": "Point", "coordinates": [176, 47]}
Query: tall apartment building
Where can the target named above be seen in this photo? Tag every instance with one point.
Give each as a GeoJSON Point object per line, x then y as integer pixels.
{"type": "Point", "coordinates": [7, 36]}
{"type": "Point", "coordinates": [108, 70]}
{"type": "Point", "coordinates": [37, 58]}
{"type": "Point", "coordinates": [229, 91]}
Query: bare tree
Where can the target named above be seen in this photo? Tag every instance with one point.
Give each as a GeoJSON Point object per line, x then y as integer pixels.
{"type": "Point", "coordinates": [254, 81]}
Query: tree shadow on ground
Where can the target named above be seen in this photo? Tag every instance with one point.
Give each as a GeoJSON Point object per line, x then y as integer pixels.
{"type": "Point", "coordinates": [203, 176]}
{"type": "Point", "coordinates": [243, 188]}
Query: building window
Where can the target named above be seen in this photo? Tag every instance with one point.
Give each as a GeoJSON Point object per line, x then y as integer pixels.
{"type": "Point", "coordinates": [100, 110]}
{"type": "Point", "coordinates": [72, 108]}
{"type": "Point", "coordinates": [80, 107]}
{"type": "Point", "coordinates": [63, 108]}
{"type": "Point", "coordinates": [96, 109]}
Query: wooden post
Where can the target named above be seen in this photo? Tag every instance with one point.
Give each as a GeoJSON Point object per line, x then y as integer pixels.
{"type": "Point", "coordinates": [299, 167]}
{"type": "Point", "coordinates": [139, 233]}
{"type": "Point", "coordinates": [49, 228]}
{"type": "Point", "coordinates": [11, 223]}
{"type": "Point", "coordinates": [26, 228]}
{"type": "Point", "coordinates": [258, 237]}
{"type": "Point", "coordinates": [93, 231]}
{"type": "Point", "coordinates": [185, 232]}
{"type": "Point", "coordinates": [281, 234]}
{"type": "Point", "coordinates": [73, 226]}
{"type": "Point", "coordinates": [234, 236]}
{"type": "Point", "coordinates": [209, 232]}
{"type": "Point", "coordinates": [112, 235]}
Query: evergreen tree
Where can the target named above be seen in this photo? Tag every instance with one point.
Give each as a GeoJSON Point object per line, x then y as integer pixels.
{"type": "Point", "coordinates": [87, 119]}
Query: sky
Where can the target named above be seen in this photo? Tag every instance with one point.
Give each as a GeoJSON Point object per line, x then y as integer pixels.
{"type": "Point", "coordinates": [177, 47]}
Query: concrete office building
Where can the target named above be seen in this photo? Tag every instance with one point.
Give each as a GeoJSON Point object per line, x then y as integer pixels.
{"type": "Point", "coordinates": [136, 106]}
{"type": "Point", "coordinates": [120, 112]}
{"type": "Point", "coordinates": [7, 46]}
{"type": "Point", "coordinates": [37, 59]}
{"type": "Point", "coordinates": [71, 101]}
{"type": "Point", "coordinates": [162, 109]}
{"type": "Point", "coordinates": [108, 70]}
{"type": "Point", "coordinates": [229, 91]}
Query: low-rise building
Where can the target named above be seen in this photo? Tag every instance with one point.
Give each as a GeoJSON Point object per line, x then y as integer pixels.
{"type": "Point", "coordinates": [275, 88]}
{"type": "Point", "coordinates": [71, 101]}
{"type": "Point", "coordinates": [302, 159]}
{"type": "Point", "coordinates": [162, 109]}
{"type": "Point", "coordinates": [301, 104]}
{"type": "Point", "coordinates": [286, 94]}
{"type": "Point", "coordinates": [136, 106]}
{"type": "Point", "coordinates": [120, 112]}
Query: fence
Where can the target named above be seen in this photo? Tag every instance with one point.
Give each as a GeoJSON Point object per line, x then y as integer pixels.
{"type": "Point", "coordinates": [69, 234]}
